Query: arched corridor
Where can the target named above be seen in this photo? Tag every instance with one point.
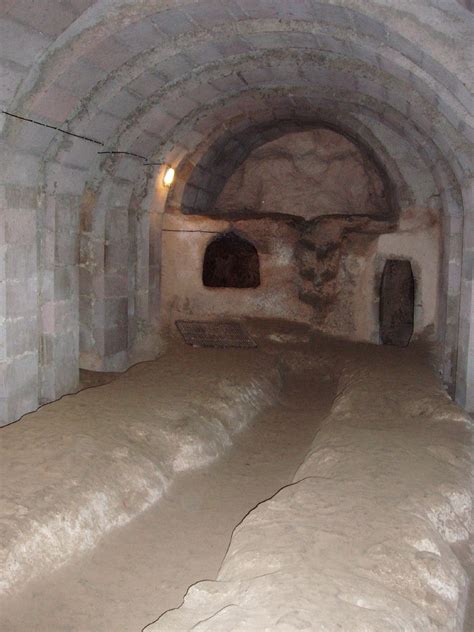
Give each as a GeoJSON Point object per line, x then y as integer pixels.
{"type": "Point", "coordinates": [301, 169]}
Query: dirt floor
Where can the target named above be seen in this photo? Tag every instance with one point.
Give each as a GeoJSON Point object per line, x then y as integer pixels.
{"type": "Point", "coordinates": [124, 580]}
{"type": "Point", "coordinates": [372, 534]}
{"type": "Point", "coordinates": [116, 586]}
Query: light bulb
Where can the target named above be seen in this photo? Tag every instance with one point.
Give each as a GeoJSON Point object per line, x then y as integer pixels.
{"type": "Point", "coordinates": [169, 177]}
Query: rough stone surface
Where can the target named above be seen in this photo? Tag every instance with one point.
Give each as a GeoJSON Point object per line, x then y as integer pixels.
{"type": "Point", "coordinates": [107, 460]}
{"type": "Point", "coordinates": [325, 271]}
{"type": "Point", "coordinates": [309, 174]}
{"type": "Point", "coordinates": [366, 535]}
{"type": "Point", "coordinates": [200, 87]}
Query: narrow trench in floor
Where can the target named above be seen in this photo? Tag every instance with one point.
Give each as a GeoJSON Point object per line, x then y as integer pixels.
{"type": "Point", "coordinates": [144, 568]}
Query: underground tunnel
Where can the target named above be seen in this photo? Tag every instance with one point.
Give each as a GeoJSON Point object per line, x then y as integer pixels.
{"type": "Point", "coordinates": [236, 315]}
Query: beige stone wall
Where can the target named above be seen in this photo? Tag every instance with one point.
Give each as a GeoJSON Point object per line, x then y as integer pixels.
{"type": "Point", "coordinates": [310, 173]}
{"type": "Point", "coordinates": [317, 210]}
{"type": "Point", "coordinates": [345, 305]}
{"type": "Point", "coordinates": [355, 311]}
{"type": "Point", "coordinates": [184, 241]}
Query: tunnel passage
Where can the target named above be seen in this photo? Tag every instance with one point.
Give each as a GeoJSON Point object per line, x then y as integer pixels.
{"type": "Point", "coordinates": [107, 91]}
{"type": "Point", "coordinates": [231, 261]}
{"type": "Point", "coordinates": [397, 303]}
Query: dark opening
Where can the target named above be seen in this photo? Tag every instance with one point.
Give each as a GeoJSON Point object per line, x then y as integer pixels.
{"type": "Point", "coordinates": [231, 261]}
{"type": "Point", "coordinates": [397, 303]}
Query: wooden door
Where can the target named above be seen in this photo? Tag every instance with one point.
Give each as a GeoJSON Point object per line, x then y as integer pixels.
{"type": "Point", "coordinates": [397, 303]}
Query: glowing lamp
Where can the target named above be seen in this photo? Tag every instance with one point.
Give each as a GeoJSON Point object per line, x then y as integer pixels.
{"type": "Point", "coordinates": [169, 177]}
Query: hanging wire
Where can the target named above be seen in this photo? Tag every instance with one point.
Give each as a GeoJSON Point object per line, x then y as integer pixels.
{"type": "Point", "coordinates": [86, 138]}
{"type": "Point", "coordinates": [58, 129]}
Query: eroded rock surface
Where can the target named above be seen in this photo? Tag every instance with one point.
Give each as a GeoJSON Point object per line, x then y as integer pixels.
{"type": "Point", "coordinates": [84, 465]}
{"type": "Point", "coordinates": [309, 173]}
{"type": "Point", "coordinates": [364, 538]}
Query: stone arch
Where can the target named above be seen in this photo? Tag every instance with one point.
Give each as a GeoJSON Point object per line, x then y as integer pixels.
{"type": "Point", "coordinates": [166, 82]}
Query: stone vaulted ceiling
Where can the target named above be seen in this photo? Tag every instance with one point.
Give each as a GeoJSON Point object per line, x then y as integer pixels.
{"type": "Point", "coordinates": [199, 84]}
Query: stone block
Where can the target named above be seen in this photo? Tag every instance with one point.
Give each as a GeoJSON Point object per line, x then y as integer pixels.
{"type": "Point", "coordinates": [119, 198]}
{"type": "Point", "coordinates": [157, 121]}
{"type": "Point", "coordinates": [20, 44]}
{"type": "Point", "coordinates": [146, 84]}
{"type": "Point", "coordinates": [4, 417]}
{"type": "Point", "coordinates": [81, 5]}
{"type": "Point", "coordinates": [122, 104]}
{"type": "Point", "coordinates": [66, 363]}
{"type": "Point", "coordinates": [174, 66]}
{"type": "Point", "coordinates": [11, 75]}
{"type": "Point", "coordinates": [208, 14]}
{"type": "Point", "coordinates": [300, 40]}
{"type": "Point", "coordinates": [18, 168]}
{"type": "Point", "coordinates": [80, 77]}
{"type": "Point", "coordinates": [67, 248]}
{"type": "Point", "coordinates": [22, 385]}
{"type": "Point", "coordinates": [46, 384]}
{"type": "Point", "coordinates": [173, 22]}
{"type": "Point", "coordinates": [203, 201]}
{"type": "Point", "coordinates": [228, 83]}
{"type": "Point", "coordinates": [116, 312]}
{"type": "Point", "coordinates": [203, 92]}
{"type": "Point", "coordinates": [116, 236]}
{"type": "Point", "coordinates": [145, 145]}
{"type": "Point", "coordinates": [20, 262]}
{"type": "Point", "coordinates": [79, 154]}
{"type": "Point", "coordinates": [33, 138]}
{"type": "Point", "coordinates": [234, 10]}
{"type": "Point", "coordinates": [179, 106]}
{"type": "Point", "coordinates": [20, 226]}
{"type": "Point", "coordinates": [116, 340]}
{"type": "Point", "coordinates": [48, 317]}
{"type": "Point", "coordinates": [204, 54]}
{"type": "Point", "coordinates": [3, 335]}
{"type": "Point", "coordinates": [116, 285]}
{"type": "Point", "coordinates": [21, 336]}
{"type": "Point", "coordinates": [47, 251]}
{"type": "Point", "coordinates": [66, 212]}
{"type": "Point", "coordinates": [190, 196]}
{"type": "Point", "coordinates": [87, 342]}
{"type": "Point", "coordinates": [46, 347]}
{"type": "Point", "coordinates": [233, 46]}
{"type": "Point", "coordinates": [108, 55]}
{"type": "Point", "coordinates": [117, 362]}
{"type": "Point", "coordinates": [100, 126]}
{"type": "Point", "coordinates": [66, 282]}
{"type": "Point", "coordinates": [139, 36]}
{"type": "Point", "coordinates": [20, 198]}
{"type": "Point", "coordinates": [258, 75]}
{"type": "Point", "coordinates": [64, 178]}
{"type": "Point", "coordinates": [46, 285]}
{"type": "Point", "coordinates": [21, 298]}
{"type": "Point", "coordinates": [65, 316]}
{"type": "Point", "coordinates": [55, 104]}
{"type": "Point", "coordinates": [39, 17]}
{"type": "Point", "coordinates": [129, 168]}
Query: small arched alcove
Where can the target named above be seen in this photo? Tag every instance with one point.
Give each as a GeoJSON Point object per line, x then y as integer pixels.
{"type": "Point", "coordinates": [231, 261]}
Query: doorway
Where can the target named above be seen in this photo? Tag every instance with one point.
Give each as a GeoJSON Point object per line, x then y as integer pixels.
{"type": "Point", "coordinates": [397, 303]}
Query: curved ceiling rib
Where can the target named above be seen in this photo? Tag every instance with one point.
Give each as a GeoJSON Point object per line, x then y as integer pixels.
{"type": "Point", "coordinates": [180, 81]}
